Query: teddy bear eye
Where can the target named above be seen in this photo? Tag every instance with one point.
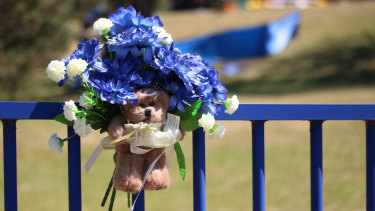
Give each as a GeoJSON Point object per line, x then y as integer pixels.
{"type": "Point", "coordinates": [142, 105]}
{"type": "Point", "coordinates": [151, 104]}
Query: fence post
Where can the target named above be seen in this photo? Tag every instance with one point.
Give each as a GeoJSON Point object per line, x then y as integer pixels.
{"type": "Point", "coordinates": [10, 165]}
{"type": "Point", "coordinates": [140, 205]}
{"type": "Point", "coordinates": [74, 171]}
{"type": "Point", "coordinates": [370, 165]}
{"type": "Point", "coordinates": [259, 198]}
{"type": "Point", "coordinates": [316, 154]}
{"type": "Point", "coordinates": [199, 170]}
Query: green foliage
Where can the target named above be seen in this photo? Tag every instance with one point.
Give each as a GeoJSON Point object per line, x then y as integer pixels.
{"type": "Point", "coordinates": [180, 159]}
{"type": "Point", "coordinates": [98, 115]}
{"type": "Point", "coordinates": [61, 118]}
{"type": "Point", "coordinates": [214, 128]}
{"type": "Point", "coordinates": [189, 118]}
{"type": "Point", "coordinates": [192, 123]}
{"type": "Point", "coordinates": [101, 112]}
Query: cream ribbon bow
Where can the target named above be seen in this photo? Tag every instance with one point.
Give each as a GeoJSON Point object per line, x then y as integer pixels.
{"type": "Point", "coordinates": [142, 134]}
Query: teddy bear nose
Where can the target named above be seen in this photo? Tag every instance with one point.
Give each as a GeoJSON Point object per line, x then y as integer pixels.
{"type": "Point", "coordinates": [148, 112]}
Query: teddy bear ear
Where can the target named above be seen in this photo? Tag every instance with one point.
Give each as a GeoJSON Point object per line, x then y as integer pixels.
{"type": "Point", "coordinates": [125, 107]}
{"type": "Point", "coordinates": [163, 98]}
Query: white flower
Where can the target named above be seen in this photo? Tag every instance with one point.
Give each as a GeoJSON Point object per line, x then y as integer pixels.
{"type": "Point", "coordinates": [232, 105]}
{"type": "Point", "coordinates": [70, 110]}
{"type": "Point", "coordinates": [163, 34]}
{"type": "Point", "coordinates": [54, 143]}
{"type": "Point", "coordinates": [207, 121]}
{"type": "Point", "coordinates": [56, 70]}
{"type": "Point", "coordinates": [84, 102]}
{"type": "Point", "coordinates": [218, 132]}
{"type": "Point", "coordinates": [76, 67]}
{"type": "Point", "coordinates": [102, 26]}
{"type": "Point", "coordinates": [81, 128]}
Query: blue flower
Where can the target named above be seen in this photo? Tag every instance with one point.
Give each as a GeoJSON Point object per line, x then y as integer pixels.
{"type": "Point", "coordinates": [209, 74]}
{"type": "Point", "coordinates": [136, 58]}
{"type": "Point", "coordinates": [88, 51]}
{"type": "Point", "coordinates": [193, 78]}
{"type": "Point", "coordinates": [167, 58]}
{"type": "Point", "coordinates": [139, 43]}
{"type": "Point", "coordinates": [205, 92]}
{"type": "Point", "coordinates": [170, 59]}
{"type": "Point", "coordinates": [180, 96]}
{"type": "Point", "coordinates": [114, 91]}
{"type": "Point", "coordinates": [118, 84]}
{"type": "Point", "coordinates": [210, 107]}
{"type": "Point", "coordinates": [128, 20]}
{"type": "Point", "coordinates": [191, 68]}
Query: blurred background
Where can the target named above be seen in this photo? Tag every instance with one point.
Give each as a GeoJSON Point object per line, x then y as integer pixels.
{"type": "Point", "coordinates": [330, 60]}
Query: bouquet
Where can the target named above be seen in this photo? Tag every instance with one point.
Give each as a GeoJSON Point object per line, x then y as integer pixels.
{"type": "Point", "coordinates": [137, 55]}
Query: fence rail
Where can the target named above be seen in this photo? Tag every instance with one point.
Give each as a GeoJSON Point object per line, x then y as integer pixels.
{"type": "Point", "coordinates": [10, 112]}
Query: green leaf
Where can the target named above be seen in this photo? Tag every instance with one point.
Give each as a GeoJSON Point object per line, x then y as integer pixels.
{"type": "Point", "coordinates": [190, 111]}
{"type": "Point", "coordinates": [192, 123]}
{"type": "Point", "coordinates": [61, 118]}
{"type": "Point", "coordinates": [180, 159]}
{"type": "Point", "coordinates": [61, 142]}
{"type": "Point", "coordinates": [107, 192]}
{"type": "Point", "coordinates": [193, 109]}
{"type": "Point", "coordinates": [214, 128]}
{"type": "Point", "coordinates": [227, 103]}
{"type": "Point", "coordinates": [129, 203]}
{"type": "Point", "coordinates": [105, 32]}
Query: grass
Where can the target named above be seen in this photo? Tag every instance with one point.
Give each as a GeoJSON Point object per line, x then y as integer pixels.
{"type": "Point", "coordinates": [335, 48]}
{"type": "Point", "coordinates": [42, 174]}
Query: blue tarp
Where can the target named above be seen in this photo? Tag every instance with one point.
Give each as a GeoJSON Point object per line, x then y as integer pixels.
{"type": "Point", "coordinates": [257, 41]}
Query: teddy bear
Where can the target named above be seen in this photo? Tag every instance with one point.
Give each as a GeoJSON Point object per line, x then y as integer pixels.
{"type": "Point", "coordinates": [131, 167]}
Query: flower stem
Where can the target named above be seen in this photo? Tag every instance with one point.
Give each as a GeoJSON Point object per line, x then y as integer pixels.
{"type": "Point", "coordinates": [66, 139]}
{"type": "Point", "coordinates": [109, 48]}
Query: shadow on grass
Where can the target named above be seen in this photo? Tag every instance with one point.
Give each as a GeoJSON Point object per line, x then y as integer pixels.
{"type": "Point", "coordinates": [341, 63]}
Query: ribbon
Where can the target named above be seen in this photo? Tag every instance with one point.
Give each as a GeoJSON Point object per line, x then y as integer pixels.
{"type": "Point", "coordinates": [102, 145]}
{"type": "Point", "coordinates": [142, 135]}
{"type": "Point", "coordinates": [136, 127]}
{"type": "Point", "coordinates": [169, 156]}
{"type": "Point", "coordinates": [145, 177]}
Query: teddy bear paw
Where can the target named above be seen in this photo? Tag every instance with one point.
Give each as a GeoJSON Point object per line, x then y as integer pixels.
{"type": "Point", "coordinates": [158, 179]}
{"type": "Point", "coordinates": [128, 184]}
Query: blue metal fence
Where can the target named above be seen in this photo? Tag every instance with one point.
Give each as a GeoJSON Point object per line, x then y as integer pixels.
{"type": "Point", "coordinates": [10, 112]}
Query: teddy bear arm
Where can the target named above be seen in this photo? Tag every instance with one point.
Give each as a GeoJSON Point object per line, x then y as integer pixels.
{"type": "Point", "coordinates": [182, 130]}
{"type": "Point", "coordinates": [116, 127]}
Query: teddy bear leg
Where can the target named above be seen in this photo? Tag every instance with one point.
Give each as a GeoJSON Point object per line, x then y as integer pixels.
{"type": "Point", "coordinates": [129, 171]}
{"type": "Point", "coordinates": [159, 176]}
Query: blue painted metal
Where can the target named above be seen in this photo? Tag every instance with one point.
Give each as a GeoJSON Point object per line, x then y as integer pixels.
{"type": "Point", "coordinates": [301, 112]}
{"type": "Point", "coordinates": [370, 165]}
{"type": "Point", "coordinates": [140, 204]}
{"type": "Point", "coordinates": [10, 165]}
{"type": "Point", "coordinates": [316, 154]}
{"type": "Point", "coordinates": [199, 170]}
{"type": "Point", "coordinates": [259, 197]}
{"type": "Point", "coordinates": [74, 174]}
{"type": "Point", "coordinates": [42, 110]}
{"type": "Point", "coordinates": [29, 110]}
{"type": "Point", "coordinates": [258, 113]}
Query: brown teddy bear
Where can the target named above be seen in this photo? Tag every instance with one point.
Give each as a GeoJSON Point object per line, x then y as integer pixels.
{"type": "Point", "coordinates": [131, 167]}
